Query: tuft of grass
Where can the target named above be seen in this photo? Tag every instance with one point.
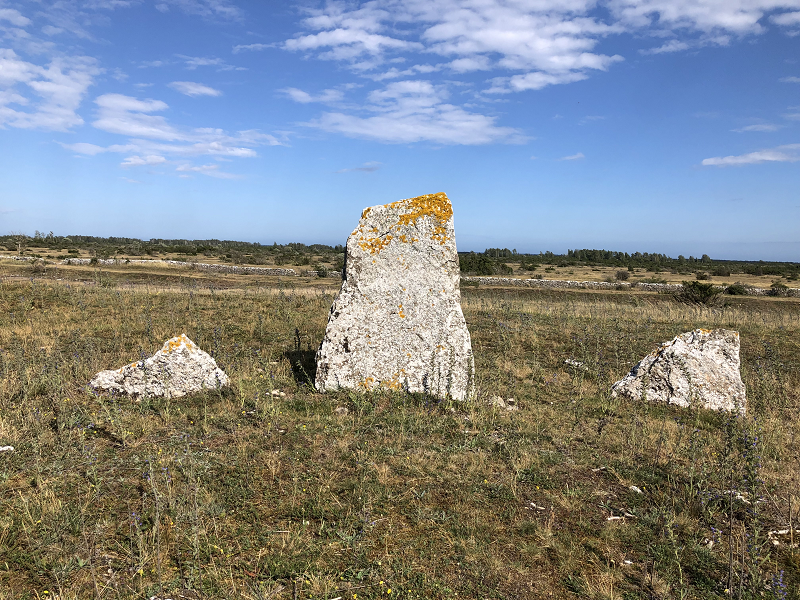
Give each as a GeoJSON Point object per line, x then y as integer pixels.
{"type": "Point", "coordinates": [246, 493]}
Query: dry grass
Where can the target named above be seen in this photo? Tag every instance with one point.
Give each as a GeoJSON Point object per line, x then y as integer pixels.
{"type": "Point", "coordinates": [243, 494]}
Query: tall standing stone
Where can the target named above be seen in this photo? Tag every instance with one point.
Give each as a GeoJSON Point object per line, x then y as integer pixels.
{"type": "Point", "coordinates": [397, 321]}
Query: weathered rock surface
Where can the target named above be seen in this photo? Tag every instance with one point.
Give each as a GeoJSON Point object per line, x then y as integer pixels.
{"type": "Point", "coordinates": [397, 321]}
{"type": "Point", "coordinates": [178, 369]}
{"type": "Point", "coordinates": [697, 368]}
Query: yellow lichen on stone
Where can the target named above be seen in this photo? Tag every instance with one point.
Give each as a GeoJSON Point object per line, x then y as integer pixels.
{"type": "Point", "coordinates": [401, 313]}
{"type": "Point", "coordinates": [175, 343]}
{"type": "Point", "coordinates": [394, 383]}
{"type": "Point", "coordinates": [366, 383]}
{"type": "Point", "coordinates": [374, 245]}
{"type": "Point", "coordinates": [435, 206]}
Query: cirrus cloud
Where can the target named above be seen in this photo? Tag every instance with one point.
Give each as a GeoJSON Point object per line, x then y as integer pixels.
{"type": "Point", "coordinates": [786, 153]}
{"type": "Point", "coordinates": [190, 88]}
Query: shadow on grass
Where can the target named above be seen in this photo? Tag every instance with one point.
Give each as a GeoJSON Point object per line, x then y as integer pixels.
{"type": "Point", "coordinates": [304, 365]}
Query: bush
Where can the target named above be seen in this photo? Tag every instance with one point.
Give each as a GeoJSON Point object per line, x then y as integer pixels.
{"type": "Point", "coordinates": [697, 292]}
{"type": "Point", "coordinates": [622, 275]}
{"type": "Point", "coordinates": [737, 289]}
{"type": "Point", "coordinates": [478, 264]}
{"type": "Point", "coordinates": [702, 276]}
{"type": "Point", "coordinates": [721, 272]}
{"type": "Point", "coordinates": [504, 269]}
{"type": "Point", "coordinates": [778, 289]}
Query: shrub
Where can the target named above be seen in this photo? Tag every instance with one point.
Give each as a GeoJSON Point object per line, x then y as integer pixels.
{"type": "Point", "coordinates": [702, 276]}
{"type": "Point", "coordinates": [622, 275]}
{"type": "Point", "coordinates": [778, 289]}
{"type": "Point", "coordinates": [737, 289]}
{"type": "Point", "coordinates": [479, 264]}
{"type": "Point", "coordinates": [504, 269]}
{"type": "Point", "coordinates": [721, 272]}
{"type": "Point", "coordinates": [697, 292]}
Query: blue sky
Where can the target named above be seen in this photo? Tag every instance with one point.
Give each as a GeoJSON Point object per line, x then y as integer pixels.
{"type": "Point", "coordinates": [652, 125]}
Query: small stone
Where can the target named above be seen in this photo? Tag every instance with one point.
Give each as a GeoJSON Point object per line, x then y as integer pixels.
{"type": "Point", "coordinates": [6, 448]}
{"type": "Point", "coordinates": [178, 369]}
{"type": "Point", "coordinates": [277, 394]}
{"type": "Point", "coordinates": [636, 489]}
{"type": "Point", "coordinates": [507, 405]}
{"type": "Point", "coordinates": [576, 364]}
{"type": "Point", "coordinates": [397, 322]}
{"type": "Point", "coordinates": [697, 368]}
{"type": "Point", "coordinates": [342, 410]}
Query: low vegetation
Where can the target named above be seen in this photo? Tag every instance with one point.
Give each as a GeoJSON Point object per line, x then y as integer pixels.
{"type": "Point", "coordinates": [492, 261]}
{"type": "Point", "coordinates": [270, 490]}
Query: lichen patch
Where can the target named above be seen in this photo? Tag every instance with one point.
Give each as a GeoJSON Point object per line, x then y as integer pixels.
{"type": "Point", "coordinates": [434, 206]}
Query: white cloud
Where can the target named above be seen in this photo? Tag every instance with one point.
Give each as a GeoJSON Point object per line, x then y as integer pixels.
{"type": "Point", "coordinates": [470, 63]}
{"type": "Point", "coordinates": [254, 47]}
{"type": "Point", "coordinates": [203, 8]}
{"type": "Point", "coordinates": [143, 161]}
{"type": "Point", "coordinates": [757, 127]}
{"type": "Point", "coordinates": [779, 154]}
{"type": "Point", "coordinates": [93, 149]}
{"type": "Point", "coordinates": [738, 17]}
{"type": "Point", "coordinates": [415, 111]}
{"type": "Point", "coordinates": [14, 17]}
{"type": "Point", "coordinates": [551, 38]}
{"type": "Point", "coordinates": [395, 73]}
{"type": "Point", "coordinates": [670, 46]}
{"type": "Point", "coordinates": [192, 62]}
{"type": "Point", "coordinates": [60, 88]}
{"type": "Point", "coordinates": [50, 30]}
{"type": "Point", "coordinates": [789, 80]}
{"type": "Point", "coordinates": [577, 156]}
{"type": "Point", "coordinates": [191, 88]}
{"type": "Point", "coordinates": [548, 42]}
{"type": "Point", "coordinates": [787, 18]}
{"type": "Point", "coordinates": [332, 95]}
{"type": "Point", "coordinates": [151, 138]}
{"type": "Point", "coordinates": [129, 116]}
{"type": "Point", "coordinates": [210, 170]}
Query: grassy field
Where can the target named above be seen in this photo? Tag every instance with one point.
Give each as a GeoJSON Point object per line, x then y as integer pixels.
{"type": "Point", "coordinates": [270, 490]}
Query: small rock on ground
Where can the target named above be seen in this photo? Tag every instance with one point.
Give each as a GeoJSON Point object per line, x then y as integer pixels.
{"type": "Point", "coordinates": [178, 369]}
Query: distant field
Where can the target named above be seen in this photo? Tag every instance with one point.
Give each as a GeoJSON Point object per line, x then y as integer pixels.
{"type": "Point", "coordinates": [545, 270]}
{"type": "Point", "coordinates": [243, 493]}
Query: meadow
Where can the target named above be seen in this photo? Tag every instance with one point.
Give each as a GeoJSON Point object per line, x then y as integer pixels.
{"type": "Point", "coordinates": [267, 489]}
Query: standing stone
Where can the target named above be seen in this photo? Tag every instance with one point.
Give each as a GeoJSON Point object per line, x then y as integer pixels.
{"type": "Point", "coordinates": [178, 369]}
{"type": "Point", "coordinates": [397, 322]}
{"type": "Point", "coordinates": [697, 368]}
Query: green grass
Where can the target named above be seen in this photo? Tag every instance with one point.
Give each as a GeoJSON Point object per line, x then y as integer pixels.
{"type": "Point", "coordinates": [246, 494]}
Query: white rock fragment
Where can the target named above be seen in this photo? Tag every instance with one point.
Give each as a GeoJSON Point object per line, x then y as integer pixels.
{"type": "Point", "coordinates": [508, 404]}
{"type": "Point", "coordinates": [397, 321]}
{"type": "Point", "coordinates": [178, 369]}
{"type": "Point", "coordinates": [6, 448]}
{"type": "Point", "coordinates": [698, 368]}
